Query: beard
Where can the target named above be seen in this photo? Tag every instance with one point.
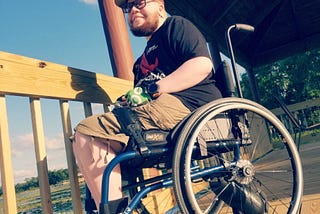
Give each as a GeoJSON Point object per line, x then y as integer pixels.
{"type": "Point", "coordinates": [147, 29]}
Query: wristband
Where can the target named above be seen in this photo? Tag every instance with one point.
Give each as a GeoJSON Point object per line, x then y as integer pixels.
{"type": "Point", "coordinates": [153, 88]}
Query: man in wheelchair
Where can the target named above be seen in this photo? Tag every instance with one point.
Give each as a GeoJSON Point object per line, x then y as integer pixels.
{"type": "Point", "coordinates": [173, 77]}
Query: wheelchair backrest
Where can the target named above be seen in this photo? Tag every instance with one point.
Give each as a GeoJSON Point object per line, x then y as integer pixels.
{"type": "Point", "coordinates": [224, 80]}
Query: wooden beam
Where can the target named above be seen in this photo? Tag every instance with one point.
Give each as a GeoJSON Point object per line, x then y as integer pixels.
{"type": "Point", "coordinates": [222, 10]}
{"type": "Point", "coordinates": [36, 78]}
{"type": "Point", "coordinates": [309, 43]}
{"type": "Point", "coordinates": [264, 27]}
{"type": "Point", "coordinates": [183, 8]}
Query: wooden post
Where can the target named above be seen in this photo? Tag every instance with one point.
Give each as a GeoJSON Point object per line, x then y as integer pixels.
{"type": "Point", "coordinates": [117, 37]}
{"type": "Point", "coordinates": [41, 156]}
{"type": "Point", "coordinates": [9, 195]}
{"type": "Point", "coordinates": [72, 167]}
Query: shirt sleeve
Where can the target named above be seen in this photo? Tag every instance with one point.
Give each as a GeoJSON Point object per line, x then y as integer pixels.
{"type": "Point", "coordinates": [187, 41]}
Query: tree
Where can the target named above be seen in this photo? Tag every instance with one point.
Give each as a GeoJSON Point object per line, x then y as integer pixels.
{"type": "Point", "coordinates": [55, 176]}
{"type": "Point", "coordinates": [295, 78]}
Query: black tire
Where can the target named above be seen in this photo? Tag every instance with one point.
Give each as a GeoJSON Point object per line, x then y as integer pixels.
{"type": "Point", "coordinates": [263, 174]}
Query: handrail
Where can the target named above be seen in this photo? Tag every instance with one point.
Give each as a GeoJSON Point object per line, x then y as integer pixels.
{"type": "Point", "coordinates": [37, 79]}
{"type": "Point", "coordinates": [289, 114]}
{"type": "Point", "coordinates": [25, 76]}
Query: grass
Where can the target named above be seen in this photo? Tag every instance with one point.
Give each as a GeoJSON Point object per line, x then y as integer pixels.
{"type": "Point", "coordinates": [310, 136]}
{"type": "Point", "coordinates": [29, 202]}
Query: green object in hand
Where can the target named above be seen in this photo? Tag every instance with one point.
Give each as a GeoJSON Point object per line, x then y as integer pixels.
{"type": "Point", "coordinates": [137, 96]}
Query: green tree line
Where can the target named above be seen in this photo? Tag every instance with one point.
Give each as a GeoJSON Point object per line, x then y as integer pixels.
{"type": "Point", "coordinates": [295, 79]}
{"type": "Point", "coordinates": [55, 177]}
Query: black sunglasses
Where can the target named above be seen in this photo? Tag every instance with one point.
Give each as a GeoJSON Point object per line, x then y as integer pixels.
{"type": "Point", "coordinates": [139, 4]}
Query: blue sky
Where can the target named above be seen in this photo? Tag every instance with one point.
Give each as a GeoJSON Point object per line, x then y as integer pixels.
{"type": "Point", "coordinates": [67, 32]}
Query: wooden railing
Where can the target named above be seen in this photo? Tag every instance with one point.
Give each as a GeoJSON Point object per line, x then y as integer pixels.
{"type": "Point", "coordinates": [36, 79]}
{"type": "Point", "coordinates": [307, 113]}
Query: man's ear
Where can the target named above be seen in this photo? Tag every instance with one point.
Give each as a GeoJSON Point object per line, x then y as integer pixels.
{"type": "Point", "coordinates": [161, 8]}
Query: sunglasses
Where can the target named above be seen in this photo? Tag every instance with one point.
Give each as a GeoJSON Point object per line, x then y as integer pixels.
{"type": "Point", "coordinates": [139, 4]}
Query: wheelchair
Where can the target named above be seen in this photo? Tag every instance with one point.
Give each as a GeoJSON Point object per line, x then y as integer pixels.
{"type": "Point", "coordinates": [231, 155]}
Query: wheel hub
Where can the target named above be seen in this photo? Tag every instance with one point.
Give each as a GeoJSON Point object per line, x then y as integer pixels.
{"type": "Point", "coordinates": [243, 172]}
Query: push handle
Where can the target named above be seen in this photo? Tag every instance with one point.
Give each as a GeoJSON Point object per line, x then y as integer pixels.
{"type": "Point", "coordinates": [244, 27]}
{"type": "Point", "coordinates": [238, 27]}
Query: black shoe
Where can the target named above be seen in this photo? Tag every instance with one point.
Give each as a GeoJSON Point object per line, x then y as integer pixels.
{"type": "Point", "coordinates": [114, 207]}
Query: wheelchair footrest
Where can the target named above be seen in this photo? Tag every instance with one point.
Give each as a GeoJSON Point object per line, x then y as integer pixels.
{"type": "Point", "coordinates": [115, 206]}
{"type": "Point", "coordinates": [90, 205]}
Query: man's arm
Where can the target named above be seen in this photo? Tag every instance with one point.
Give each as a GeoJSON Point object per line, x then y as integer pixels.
{"type": "Point", "coordinates": [187, 75]}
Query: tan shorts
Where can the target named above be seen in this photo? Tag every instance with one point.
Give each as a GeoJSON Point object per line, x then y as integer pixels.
{"type": "Point", "coordinates": [163, 113]}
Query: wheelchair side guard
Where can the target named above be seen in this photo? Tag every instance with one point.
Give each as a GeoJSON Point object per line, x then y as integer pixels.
{"type": "Point", "coordinates": [151, 145]}
{"type": "Point", "coordinates": [132, 127]}
{"type": "Point", "coordinates": [145, 141]}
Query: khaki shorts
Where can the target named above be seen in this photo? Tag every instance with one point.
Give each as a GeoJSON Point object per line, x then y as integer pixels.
{"type": "Point", "coordinates": [163, 113]}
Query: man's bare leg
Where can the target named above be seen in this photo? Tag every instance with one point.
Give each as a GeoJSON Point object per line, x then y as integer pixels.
{"type": "Point", "coordinates": [93, 155]}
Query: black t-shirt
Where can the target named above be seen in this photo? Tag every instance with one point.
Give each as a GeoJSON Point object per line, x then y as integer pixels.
{"type": "Point", "coordinates": [175, 42]}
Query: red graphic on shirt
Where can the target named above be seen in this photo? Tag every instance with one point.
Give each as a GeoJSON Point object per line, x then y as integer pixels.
{"type": "Point", "coordinates": [146, 67]}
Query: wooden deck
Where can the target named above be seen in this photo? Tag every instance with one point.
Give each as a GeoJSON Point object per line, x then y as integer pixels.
{"type": "Point", "coordinates": [310, 156]}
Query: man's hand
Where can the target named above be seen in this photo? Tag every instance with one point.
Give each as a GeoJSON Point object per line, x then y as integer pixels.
{"type": "Point", "coordinates": [150, 87]}
{"type": "Point", "coordinates": [122, 101]}
{"type": "Point", "coordinates": [137, 97]}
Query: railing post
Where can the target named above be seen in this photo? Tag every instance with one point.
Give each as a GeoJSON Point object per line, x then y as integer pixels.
{"type": "Point", "coordinates": [87, 109]}
{"type": "Point", "coordinates": [41, 156]}
{"type": "Point", "coordinates": [72, 169]}
{"type": "Point", "coordinates": [117, 38]}
{"type": "Point", "coordinates": [9, 195]}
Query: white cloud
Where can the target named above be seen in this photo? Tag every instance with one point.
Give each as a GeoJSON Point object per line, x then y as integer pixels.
{"type": "Point", "coordinates": [23, 141]}
{"type": "Point", "coordinates": [90, 2]}
{"type": "Point", "coordinates": [26, 141]}
{"type": "Point", "coordinates": [56, 143]}
{"type": "Point", "coordinates": [24, 163]}
{"type": "Point", "coordinates": [21, 175]}
{"type": "Point", "coordinates": [16, 153]}
{"type": "Point", "coordinates": [56, 166]}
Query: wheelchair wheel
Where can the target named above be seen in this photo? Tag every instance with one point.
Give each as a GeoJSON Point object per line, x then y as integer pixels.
{"type": "Point", "coordinates": [235, 156]}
